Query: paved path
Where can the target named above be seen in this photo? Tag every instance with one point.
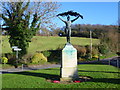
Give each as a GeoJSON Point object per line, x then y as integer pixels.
{"type": "Point", "coordinates": [115, 61]}
{"type": "Point", "coordinates": [37, 67]}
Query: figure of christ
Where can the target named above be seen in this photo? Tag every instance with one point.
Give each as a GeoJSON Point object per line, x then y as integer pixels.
{"type": "Point", "coordinates": [68, 26]}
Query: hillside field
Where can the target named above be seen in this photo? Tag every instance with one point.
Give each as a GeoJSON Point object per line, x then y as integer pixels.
{"type": "Point", "coordinates": [41, 43]}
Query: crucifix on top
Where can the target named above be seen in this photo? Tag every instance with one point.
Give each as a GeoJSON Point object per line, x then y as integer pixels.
{"type": "Point", "coordinates": [68, 22]}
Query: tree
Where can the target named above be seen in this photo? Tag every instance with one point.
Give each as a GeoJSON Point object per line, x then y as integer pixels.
{"type": "Point", "coordinates": [23, 19]}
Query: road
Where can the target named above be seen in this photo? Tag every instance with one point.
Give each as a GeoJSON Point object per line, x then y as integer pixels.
{"type": "Point", "coordinates": [115, 61]}
{"type": "Point", "coordinates": [20, 69]}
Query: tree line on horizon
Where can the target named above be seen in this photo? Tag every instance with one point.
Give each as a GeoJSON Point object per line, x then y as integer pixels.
{"type": "Point", "coordinates": [108, 34]}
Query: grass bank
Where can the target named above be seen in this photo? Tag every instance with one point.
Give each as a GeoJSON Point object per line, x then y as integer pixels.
{"type": "Point", "coordinates": [41, 43]}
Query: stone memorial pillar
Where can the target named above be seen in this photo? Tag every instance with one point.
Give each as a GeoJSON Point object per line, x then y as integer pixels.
{"type": "Point", "coordinates": [69, 53]}
{"type": "Point", "coordinates": [69, 70]}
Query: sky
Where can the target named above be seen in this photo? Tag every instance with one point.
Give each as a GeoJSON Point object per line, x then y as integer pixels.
{"type": "Point", "coordinates": [105, 13]}
{"type": "Point", "coordinates": [86, 0]}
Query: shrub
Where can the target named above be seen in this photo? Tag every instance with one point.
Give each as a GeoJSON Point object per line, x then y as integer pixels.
{"type": "Point", "coordinates": [39, 58]}
{"type": "Point", "coordinates": [118, 53]}
{"type": "Point", "coordinates": [81, 59]}
{"type": "Point", "coordinates": [26, 58]}
{"type": "Point", "coordinates": [81, 51]}
{"type": "Point", "coordinates": [10, 55]}
{"type": "Point", "coordinates": [88, 50]}
{"type": "Point", "coordinates": [103, 49]}
{"type": "Point", "coordinates": [84, 52]}
{"type": "Point", "coordinates": [46, 53]}
{"type": "Point", "coordinates": [4, 60]}
{"type": "Point", "coordinates": [95, 56]}
{"type": "Point", "coordinates": [94, 51]}
{"type": "Point", "coordinates": [55, 56]}
{"type": "Point", "coordinates": [87, 56]}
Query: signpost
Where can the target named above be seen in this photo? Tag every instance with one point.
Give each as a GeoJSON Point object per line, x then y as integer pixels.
{"type": "Point", "coordinates": [15, 48]}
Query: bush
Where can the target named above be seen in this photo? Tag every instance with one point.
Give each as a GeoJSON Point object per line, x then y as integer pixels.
{"type": "Point", "coordinates": [39, 58]}
{"type": "Point", "coordinates": [87, 56]}
{"type": "Point", "coordinates": [103, 49]}
{"type": "Point", "coordinates": [4, 60]}
{"type": "Point", "coordinates": [46, 53]}
{"type": "Point", "coordinates": [81, 51]}
{"type": "Point", "coordinates": [88, 50]}
{"type": "Point", "coordinates": [26, 58]}
{"type": "Point", "coordinates": [81, 59]}
{"type": "Point", "coordinates": [84, 52]}
{"type": "Point", "coordinates": [95, 56]}
{"type": "Point", "coordinates": [10, 55]}
{"type": "Point", "coordinates": [55, 56]}
{"type": "Point", "coordinates": [94, 51]}
{"type": "Point", "coordinates": [118, 53]}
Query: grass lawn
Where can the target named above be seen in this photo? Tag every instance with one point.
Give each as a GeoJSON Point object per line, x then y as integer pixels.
{"type": "Point", "coordinates": [104, 76]}
{"type": "Point", "coordinates": [40, 43]}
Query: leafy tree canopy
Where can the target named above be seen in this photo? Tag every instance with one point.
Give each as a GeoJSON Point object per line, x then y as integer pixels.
{"type": "Point", "coordinates": [23, 19]}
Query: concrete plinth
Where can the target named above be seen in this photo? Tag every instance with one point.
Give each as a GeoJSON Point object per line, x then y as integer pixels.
{"type": "Point", "coordinates": [69, 63]}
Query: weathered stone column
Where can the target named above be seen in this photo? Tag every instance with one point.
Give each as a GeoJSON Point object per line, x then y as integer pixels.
{"type": "Point", "coordinates": [69, 70]}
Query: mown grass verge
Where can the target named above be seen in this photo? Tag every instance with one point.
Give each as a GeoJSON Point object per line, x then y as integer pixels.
{"type": "Point", "coordinates": [104, 76]}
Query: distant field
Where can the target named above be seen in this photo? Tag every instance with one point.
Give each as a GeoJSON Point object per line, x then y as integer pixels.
{"type": "Point", "coordinates": [40, 43]}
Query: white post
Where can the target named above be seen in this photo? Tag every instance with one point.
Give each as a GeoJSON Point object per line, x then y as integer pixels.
{"type": "Point", "coordinates": [17, 54]}
{"type": "Point", "coordinates": [118, 63]}
{"type": "Point", "coordinates": [0, 45]}
{"type": "Point", "coordinates": [22, 67]}
{"type": "Point", "coordinates": [91, 42]}
{"type": "Point", "coordinates": [16, 49]}
{"type": "Point", "coordinates": [109, 62]}
{"type": "Point", "coordinates": [17, 57]}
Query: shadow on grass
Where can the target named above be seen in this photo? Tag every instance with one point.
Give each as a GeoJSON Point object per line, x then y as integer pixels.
{"type": "Point", "coordinates": [43, 75]}
{"type": "Point", "coordinates": [98, 71]}
{"type": "Point", "coordinates": [106, 80]}
{"type": "Point", "coordinates": [95, 62]}
{"type": "Point", "coordinates": [51, 69]}
{"type": "Point", "coordinates": [57, 77]}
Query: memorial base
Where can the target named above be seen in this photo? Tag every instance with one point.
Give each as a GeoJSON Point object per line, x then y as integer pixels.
{"type": "Point", "coordinates": [69, 70]}
{"type": "Point", "coordinates": [69, 74]}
